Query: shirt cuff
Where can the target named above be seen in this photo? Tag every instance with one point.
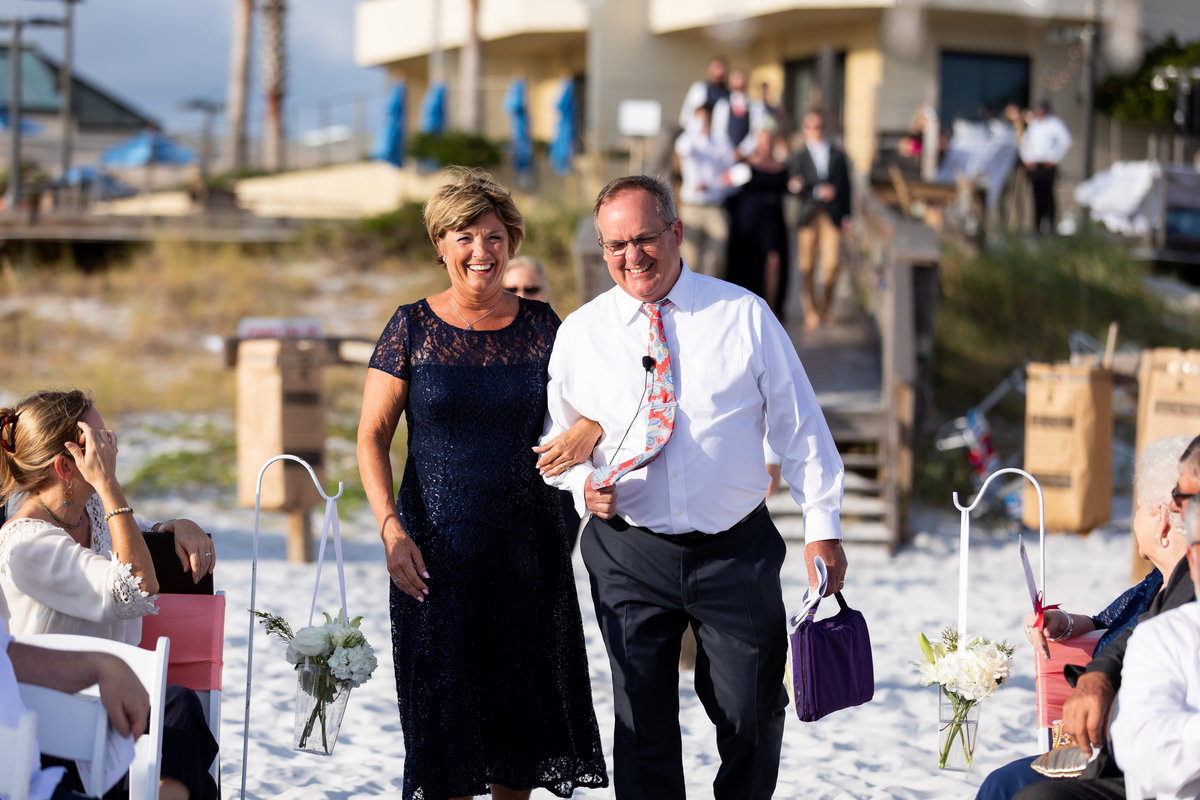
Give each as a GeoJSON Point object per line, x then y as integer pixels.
{"type": "Point", "coordinates": [821, 525]}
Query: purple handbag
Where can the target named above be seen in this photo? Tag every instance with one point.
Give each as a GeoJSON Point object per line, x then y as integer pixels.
{"type": "Point", "coordinates": [831, 666]}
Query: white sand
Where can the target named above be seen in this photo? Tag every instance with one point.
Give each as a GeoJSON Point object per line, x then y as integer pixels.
{"type": "Point", "coordinates": [883, 749]}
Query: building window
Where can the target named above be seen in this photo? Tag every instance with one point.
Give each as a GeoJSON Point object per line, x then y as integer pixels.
{"type": "Point", "coordinates": [807, 81]}
{"type": "Point", "coordinates": [978, 86]}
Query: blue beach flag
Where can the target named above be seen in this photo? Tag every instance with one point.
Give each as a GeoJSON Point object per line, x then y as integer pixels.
{"type": "Point", "coordinates": [389, 146]}
{"type": "Point", "coordinates": [562, 149]}
{"type": "Point", "coordinates": [517, 108]}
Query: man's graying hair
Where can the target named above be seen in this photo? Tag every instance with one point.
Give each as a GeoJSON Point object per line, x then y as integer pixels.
{"type": "Point", "coordinates": [656, 187]}
{"type": "Point", "coordinates": [1190, 460]}
{"type": "Point", "coordinates": [1191, 522]}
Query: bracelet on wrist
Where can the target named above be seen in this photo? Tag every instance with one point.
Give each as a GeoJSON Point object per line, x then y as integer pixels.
{"type": "Point", "coordinates": [122, 510]}
{"type": "Point", "coordinates": [1070, 628]}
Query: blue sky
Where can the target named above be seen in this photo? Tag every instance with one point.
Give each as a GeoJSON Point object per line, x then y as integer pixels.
{"type": "Point", "coordinates": [158, 54]}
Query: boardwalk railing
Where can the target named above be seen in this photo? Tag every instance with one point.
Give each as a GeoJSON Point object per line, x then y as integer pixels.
{"type": "Point", "coordinates": [897, 276]}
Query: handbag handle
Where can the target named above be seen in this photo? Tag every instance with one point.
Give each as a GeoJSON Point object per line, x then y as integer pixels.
{"type": "Point", "coordinates": [808, 605]}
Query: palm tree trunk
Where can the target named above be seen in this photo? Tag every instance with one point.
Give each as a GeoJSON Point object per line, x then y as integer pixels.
{"type": "Point", "coordinates": [239, 84]}
{"type": "Point", "coordinates": [471, 71]}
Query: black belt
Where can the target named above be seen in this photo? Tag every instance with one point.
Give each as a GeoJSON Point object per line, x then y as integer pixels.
{"type": "Point", "coordinates": [691, 537]}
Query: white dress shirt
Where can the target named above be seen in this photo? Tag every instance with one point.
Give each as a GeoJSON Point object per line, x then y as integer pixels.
{"type": "Point", "coordinates": [1046, 139]}
{"type": "Point", "coordinates": [42, 782]}
{"type": "Point", "coordinates": [703, 160]}
{"type": "Point", "coordinates": [723, 110]}
{"type": "Point", "coordinates": [49, 583]}
{"type": "Point", "coordinates": [818, 150]}
{"type": "Point", "coordinates": [737, 380]}
{"type": "Point", "coordinates": [1156, 730]}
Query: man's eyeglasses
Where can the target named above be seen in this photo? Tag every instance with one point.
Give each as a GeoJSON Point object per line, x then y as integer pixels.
{"type": "Point", "coordinates": [618, 247]}
{"type": "Point", "coordinates": [523, 289]}
{"type": "Point", "coordinates": [1179, 497]}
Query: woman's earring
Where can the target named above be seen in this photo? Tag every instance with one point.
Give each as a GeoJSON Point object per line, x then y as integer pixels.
{"type": "Point", "coordinates": [69, 495]}
{"type": "Point", "coordinates": [1164, 542]}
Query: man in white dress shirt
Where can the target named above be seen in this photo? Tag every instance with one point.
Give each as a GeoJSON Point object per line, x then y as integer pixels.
{"type": "Point", "coordinates": [1045, 141]}
{"type": "Point", "coordinates": [685, 537]}
{"type": "Point", "coordinates": [704, 158]}
{"type": "Point", "coordinates": [1156, 732]}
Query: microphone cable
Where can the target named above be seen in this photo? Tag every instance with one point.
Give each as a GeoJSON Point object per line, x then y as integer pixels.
{"type": "Point", "coordinates": [648, 364]}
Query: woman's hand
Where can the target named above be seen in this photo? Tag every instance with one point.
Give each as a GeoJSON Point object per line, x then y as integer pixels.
{"type": "Point", "coordinates": [404, 562]}
{"type": "Point", "coordinates": [95, 455]}
{"type": "Point", "coordinates": [193, 546]}
{"type": "Point", "coordinates": [572, 446]}
{"type": "Point", "coordinates": [1037, 636]}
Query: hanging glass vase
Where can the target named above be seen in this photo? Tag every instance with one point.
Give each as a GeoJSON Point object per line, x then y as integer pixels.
{"type": "Point", "coordinates": [958, 722]}
{"type": "Point", "coordinates": [320, 703]}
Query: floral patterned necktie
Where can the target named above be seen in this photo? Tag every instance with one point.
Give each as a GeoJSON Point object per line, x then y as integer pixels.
{"type": "Point", "coordinates": [661, 419]}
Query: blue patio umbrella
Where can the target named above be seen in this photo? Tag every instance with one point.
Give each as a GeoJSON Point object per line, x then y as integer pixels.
{"type": "Point", "coordinates": [518, 109]}
{"type": "Point", "coordinates": [146, 149]}
{"type": "Point", "coordinates": [28, 126]}
{"type": "Point", "coordinates": [562, 149]}
{"type": "Point", "coordinates": [389, 146]}
{"type": "Point", "coordinates": [433, 110]}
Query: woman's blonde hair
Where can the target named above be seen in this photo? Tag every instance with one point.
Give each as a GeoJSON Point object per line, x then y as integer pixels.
{"type": "Point", "coordinates": [471, 196]}
{"type": "Point", "coordinates": [33, 434]}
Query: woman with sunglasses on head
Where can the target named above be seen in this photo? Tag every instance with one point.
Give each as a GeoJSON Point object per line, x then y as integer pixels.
{"type": "Point", "coordinates": [73, 560]}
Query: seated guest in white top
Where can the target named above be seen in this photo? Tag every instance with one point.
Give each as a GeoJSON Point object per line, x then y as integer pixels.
{"type": "Point", "coordinates": [1156, 731]}
{"type": "Point", "coordinates": [73, 560]}
{"type": "Point", "coordinates": [122, 693]}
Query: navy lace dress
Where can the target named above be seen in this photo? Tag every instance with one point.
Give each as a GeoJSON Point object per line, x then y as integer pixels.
{"type": "Point", "coordinates": [491, 672]}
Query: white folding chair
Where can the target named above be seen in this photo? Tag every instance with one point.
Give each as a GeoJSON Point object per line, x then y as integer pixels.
{"type": "Point", "coordinates": [151, 668]}
{"type": "Point", "coordinates": [18, 746]}
{"type": "Point", "coordinates": [70, 726]}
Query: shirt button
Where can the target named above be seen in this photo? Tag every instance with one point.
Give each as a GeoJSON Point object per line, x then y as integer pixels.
{"type": "Point", "coordinates": [674, 474]}
{"type": "Point", "coordinates": [679, 513]}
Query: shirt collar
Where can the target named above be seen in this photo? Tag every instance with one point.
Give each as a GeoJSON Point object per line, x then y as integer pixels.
{"type": "Point", "coordinates": [682, 295]}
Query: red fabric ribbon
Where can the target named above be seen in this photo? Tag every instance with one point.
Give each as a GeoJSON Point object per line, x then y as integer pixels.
{"type": "Point", "coordinates": [1041, 610]}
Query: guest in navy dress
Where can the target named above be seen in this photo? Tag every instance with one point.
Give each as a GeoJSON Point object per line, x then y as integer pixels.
{"type": "Point", "coordinates": [491, 673]}
{"type": "Point", "coordinates": [1160, 540]}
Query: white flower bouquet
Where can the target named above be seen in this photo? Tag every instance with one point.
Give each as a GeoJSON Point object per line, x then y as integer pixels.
{"type": "Point", "coordinates": [330, 660]}
{"type": "Point", "coordinates": [965, 675]}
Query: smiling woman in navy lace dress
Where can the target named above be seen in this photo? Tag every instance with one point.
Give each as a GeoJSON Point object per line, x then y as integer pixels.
{"type": "Point", "coordinates": [491, 672]}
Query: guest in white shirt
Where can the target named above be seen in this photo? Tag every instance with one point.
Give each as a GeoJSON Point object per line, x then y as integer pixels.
{"type": "Point", "coordinates": [704, 159]}
{"type": "Point", "coordinates": [685, 536]}
{"type": "Point", "coordinates": [1045, 141]}
{"type": "Point", "coordinates": [122, 693]}
{"type": "Point", "coordinates": [1156, 730]}
{"type": "Point", "coordinates": [706, 92]}
{"type": "Point", "coordinates": [737, 117]}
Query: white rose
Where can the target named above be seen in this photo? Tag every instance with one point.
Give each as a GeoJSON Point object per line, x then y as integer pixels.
{"type": "Point", "coordinates": [313, 641]}
{"type": "Point", "coordinates": [995, 660]}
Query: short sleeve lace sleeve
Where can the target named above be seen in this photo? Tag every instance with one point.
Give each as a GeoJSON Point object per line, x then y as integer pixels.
{"type": "Point", "coordinates": [393, 349]}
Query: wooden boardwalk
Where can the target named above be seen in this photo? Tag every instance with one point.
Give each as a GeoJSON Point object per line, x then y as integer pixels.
{"type": "Point", "coordinates": [230, 227]}
{"type": "Point", "coordinates": [843, 362]}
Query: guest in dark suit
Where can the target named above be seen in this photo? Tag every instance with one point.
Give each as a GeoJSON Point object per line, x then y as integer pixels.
{"type": "Point", "coordinates": [819, 173]}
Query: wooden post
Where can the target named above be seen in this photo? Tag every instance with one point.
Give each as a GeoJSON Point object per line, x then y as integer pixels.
{"type": "Point", "coordinates": [299, 542]}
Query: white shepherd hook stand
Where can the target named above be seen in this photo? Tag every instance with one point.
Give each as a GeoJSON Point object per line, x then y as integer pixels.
{"type": "Point", "coordinates": [964, 543]}
{"type": "Point", "coordinates": [331, 523]}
